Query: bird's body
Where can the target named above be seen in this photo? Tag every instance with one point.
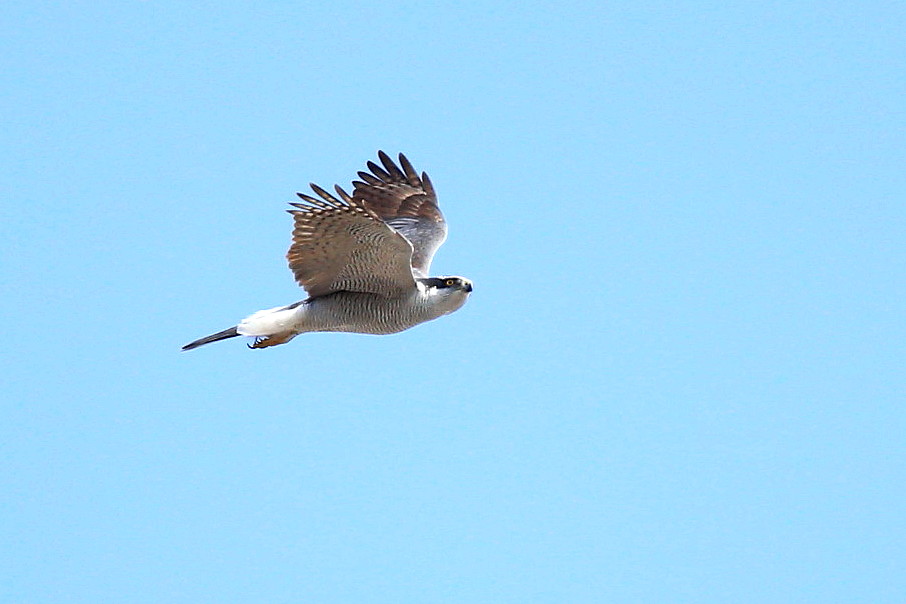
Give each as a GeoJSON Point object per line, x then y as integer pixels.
{"type": "Point", "coordinates": [363, 259]}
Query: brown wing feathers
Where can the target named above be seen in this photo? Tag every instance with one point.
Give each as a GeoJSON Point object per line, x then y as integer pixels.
{"type": "Point", "coordinates": [391, 192]}
{"type": "Point", "coordinates": [339, 244]}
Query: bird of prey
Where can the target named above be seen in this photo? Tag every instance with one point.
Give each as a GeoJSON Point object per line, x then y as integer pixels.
{"type": "Point", "coordinates": [363, 260]}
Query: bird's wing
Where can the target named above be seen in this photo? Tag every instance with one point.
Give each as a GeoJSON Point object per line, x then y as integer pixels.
{"type": "Point", "coordinates": [407, 203]}
{"type": "Point", "coordinates": [339, 244]}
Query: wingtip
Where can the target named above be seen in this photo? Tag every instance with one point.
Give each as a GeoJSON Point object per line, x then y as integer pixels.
{"type": "Point", "coordinates": [343, 194]}
{"type": "Point", "coordinates": [392, 169]}
{"type": "Point", "coordinates": [427, 184]}
{"type": "Point", "coordinates": [367, 178]}
{"type": "Point", "coordinates": [382, 174]}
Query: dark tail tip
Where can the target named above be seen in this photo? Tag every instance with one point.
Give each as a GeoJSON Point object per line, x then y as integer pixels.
{"type": "Point", "coordinates": [221, 335]}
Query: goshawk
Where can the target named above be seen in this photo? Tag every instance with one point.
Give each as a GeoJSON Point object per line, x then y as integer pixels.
{"type": "Point", "coordinates": [363, 260]}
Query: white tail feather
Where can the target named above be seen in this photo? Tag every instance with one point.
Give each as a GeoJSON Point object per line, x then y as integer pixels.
{"type": "Point", "coordinates": [269, 322]}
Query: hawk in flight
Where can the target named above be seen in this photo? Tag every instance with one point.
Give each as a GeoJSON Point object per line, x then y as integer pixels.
{"type": "Point", "coordinates": [363, 260]}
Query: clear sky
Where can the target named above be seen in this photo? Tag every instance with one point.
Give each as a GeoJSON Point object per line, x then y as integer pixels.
{"type": "Point", "coordinates": [680, 377]}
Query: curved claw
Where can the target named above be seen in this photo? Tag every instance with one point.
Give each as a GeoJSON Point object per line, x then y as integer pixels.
{"type": "Point", "coordinates": [272, 340]}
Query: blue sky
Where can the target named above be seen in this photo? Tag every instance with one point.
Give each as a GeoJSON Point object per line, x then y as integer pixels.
{"type": "Point", "coordinates": [679, 379]}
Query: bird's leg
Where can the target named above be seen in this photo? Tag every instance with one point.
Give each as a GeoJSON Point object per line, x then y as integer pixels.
{"type": "Point", "coordinates": [272, 340]}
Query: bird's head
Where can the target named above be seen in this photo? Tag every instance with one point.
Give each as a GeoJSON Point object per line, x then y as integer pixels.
{"type": "Point", "coordinates": [447, 293]}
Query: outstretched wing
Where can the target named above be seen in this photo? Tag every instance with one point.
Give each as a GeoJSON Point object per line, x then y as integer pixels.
{"type": "Point", "coordinates": [407, 203]}
{"type": "Point", "coordinates": [339, 244]}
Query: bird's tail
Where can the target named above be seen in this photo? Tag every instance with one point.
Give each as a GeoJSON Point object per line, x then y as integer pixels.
{"type": "Point", "coordinates": [220, 335]}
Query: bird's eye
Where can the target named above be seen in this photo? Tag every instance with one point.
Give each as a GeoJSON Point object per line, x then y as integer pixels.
{"type": "Point", "coordinates": [450, 282]}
